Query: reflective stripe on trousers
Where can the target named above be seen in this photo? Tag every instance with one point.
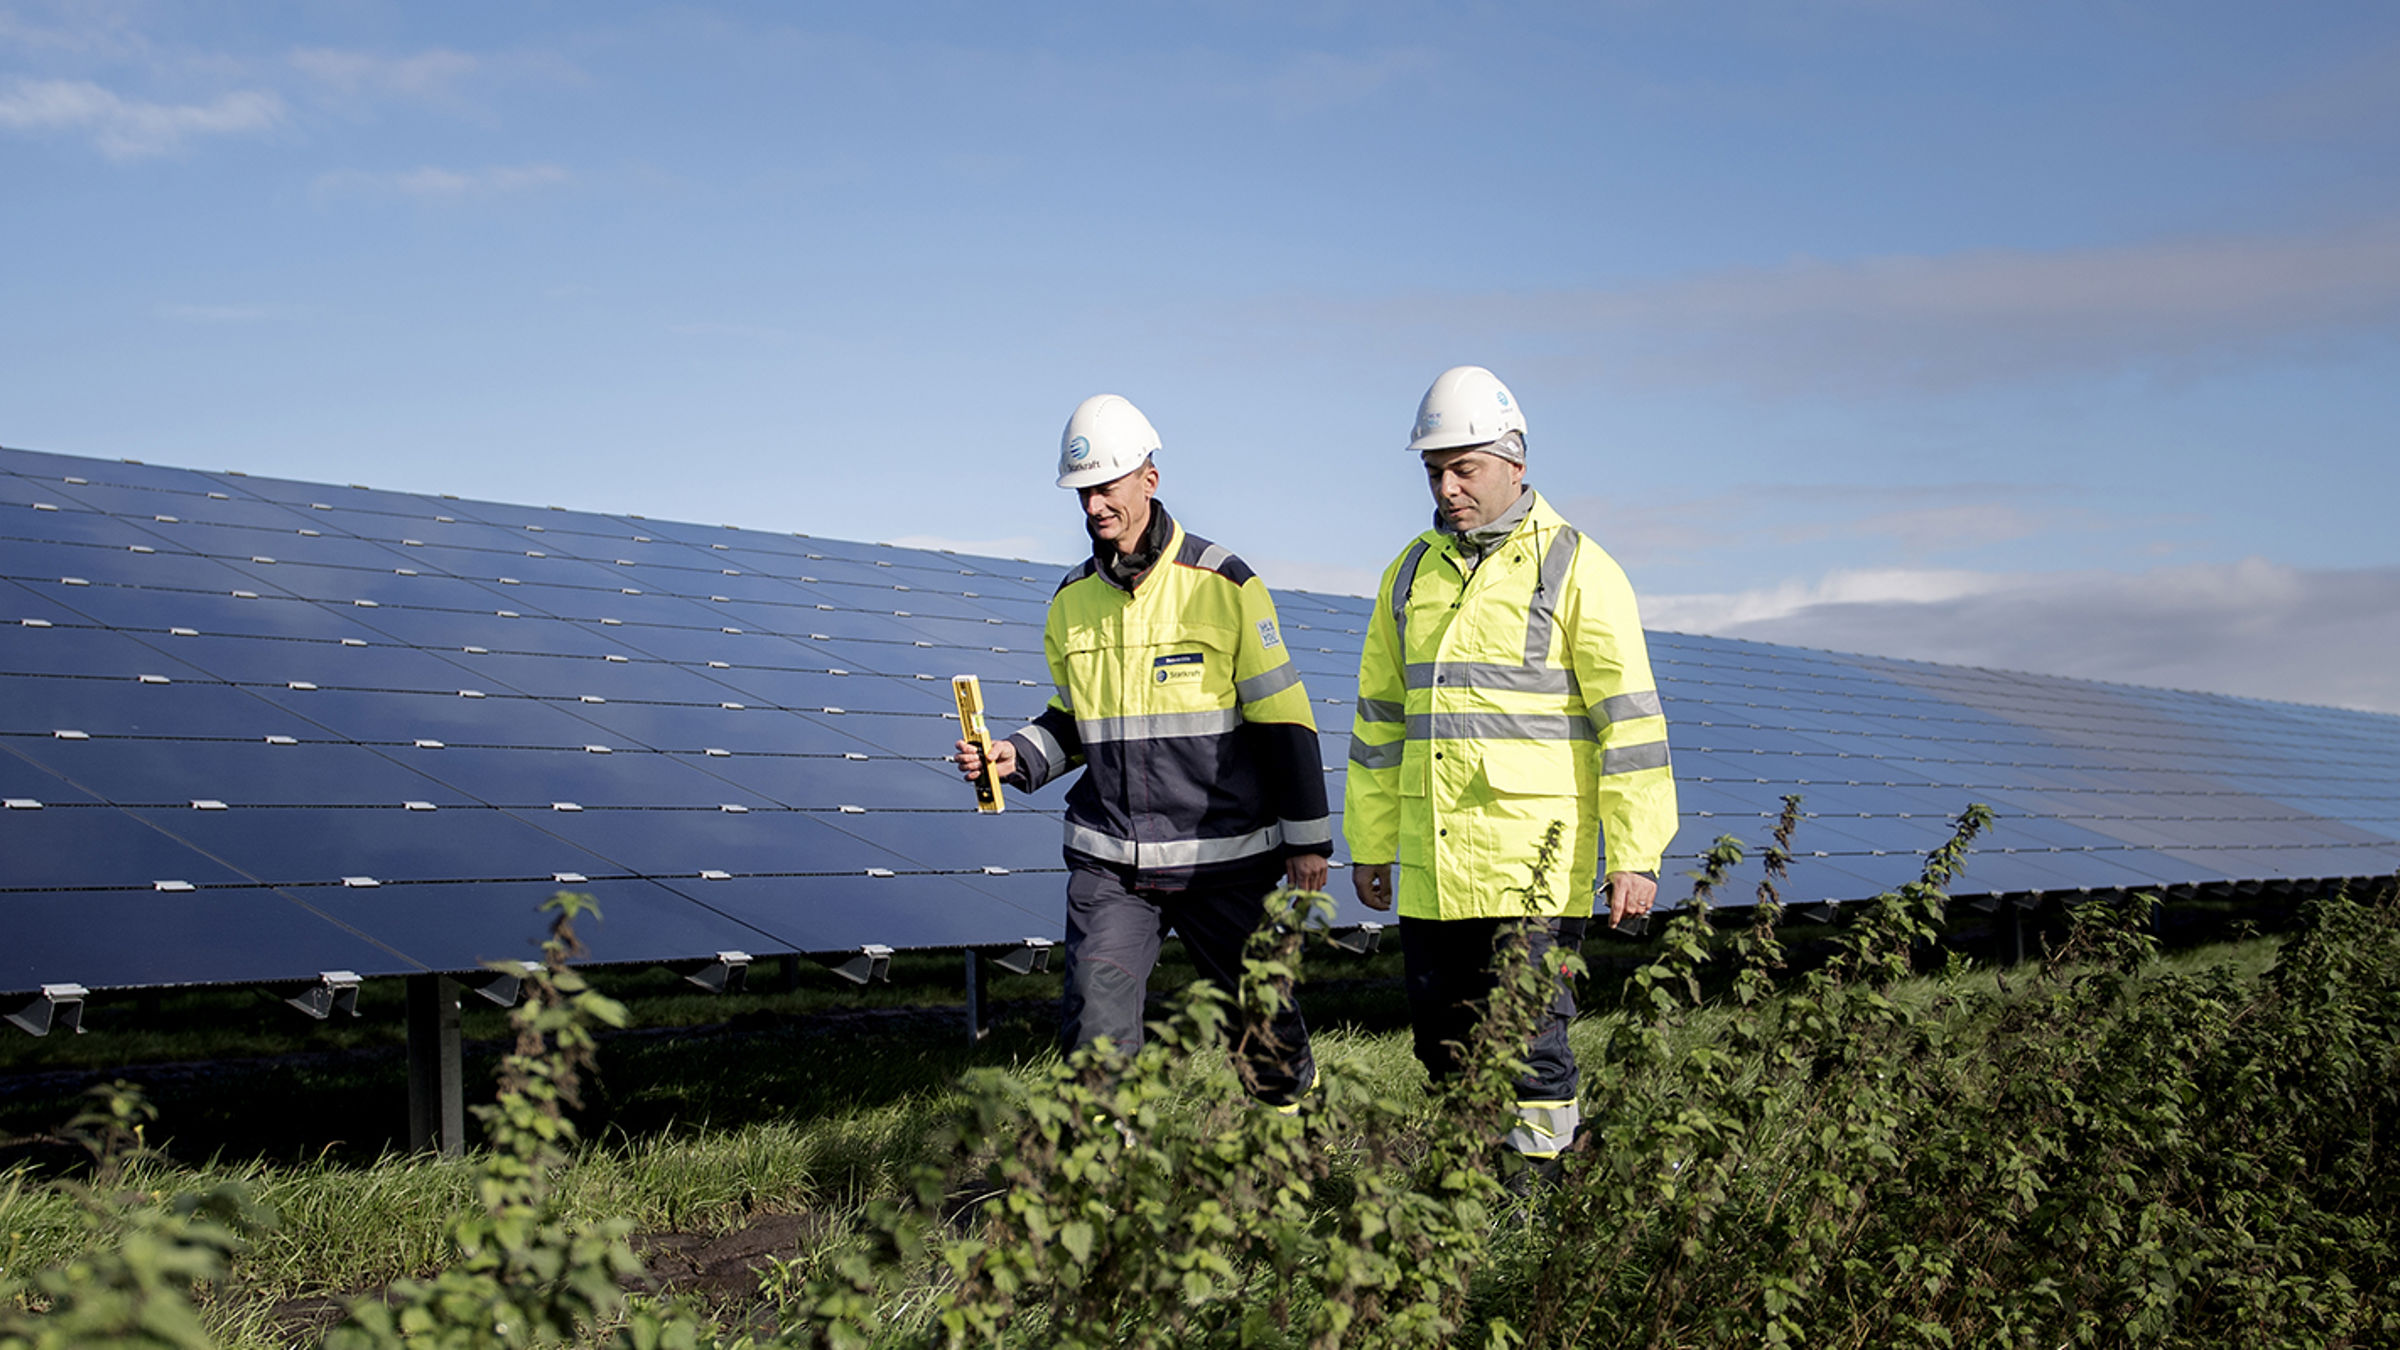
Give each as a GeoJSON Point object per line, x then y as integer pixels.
{"type": "Point", "coordinates": [1544, 1129]}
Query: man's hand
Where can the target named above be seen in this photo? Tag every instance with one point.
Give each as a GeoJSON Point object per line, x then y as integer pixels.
{"type": "Point", "coordinates": [1629, 893]}
{"type": "Point", "coordinates": [1305, 871]}
{"type": "Point", "coordinates": [1373, 882]}
{"type": "Point", "coordinates": [970, 759]}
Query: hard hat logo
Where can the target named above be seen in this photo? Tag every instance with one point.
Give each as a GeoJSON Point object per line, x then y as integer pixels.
{"type": "Point", "coordinates": [1079, 450]}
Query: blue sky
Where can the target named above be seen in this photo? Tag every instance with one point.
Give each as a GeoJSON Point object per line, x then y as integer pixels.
{"type": "Point", "coordinates": [2044, 336]}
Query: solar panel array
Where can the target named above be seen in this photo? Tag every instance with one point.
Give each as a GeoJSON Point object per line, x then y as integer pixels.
{"type": "Point", "coordinates": [2094, 787]}
{"type": "Point", "coordinates": [256, 729]}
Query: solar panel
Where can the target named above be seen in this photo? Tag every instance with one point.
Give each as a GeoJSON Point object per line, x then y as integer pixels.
{"type": "Point", "coordinates": [207, 936]}
{"type": "Point", "coordinates": [255, 729]}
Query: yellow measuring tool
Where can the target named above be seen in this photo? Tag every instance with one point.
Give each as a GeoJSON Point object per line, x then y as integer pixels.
{"type": "Point", "coordinates": [969, 692]}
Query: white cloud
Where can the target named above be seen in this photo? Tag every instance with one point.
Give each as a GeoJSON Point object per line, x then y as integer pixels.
{"type": "Point", "coordinates": [1724, 613]}
{"type": "Point", "coordinates": [125, 128]}
{"type": "Point", "coordinates": [90, 29]}
{"type": "Point", "coordinates": [430, 183]}
{"type": "Point", "coordinates": [1920, 521]}
{"type": "Point", "coordinates": [425, 75]}
{"type": "Point", "coordinates": [1913, 323]}
{"type": "Point", "coordinates": [2252, 628]}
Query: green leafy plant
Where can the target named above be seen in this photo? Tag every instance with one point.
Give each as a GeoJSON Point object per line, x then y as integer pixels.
{"type": "Point", "coordinates": [136, 1288]}
{"type": "Point", "coordinates": [2104, 1150]}
{"type": "Point", "coordinates": [1113, 1219]}
{"type": "Point", "coordinates": [525, 1275]}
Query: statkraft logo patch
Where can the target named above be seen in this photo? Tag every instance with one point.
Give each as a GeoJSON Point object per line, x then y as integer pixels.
{"type": "Point", "coordinates": [1176, 667]}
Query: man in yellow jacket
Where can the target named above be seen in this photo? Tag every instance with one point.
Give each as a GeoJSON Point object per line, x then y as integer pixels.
{"type": "Point", "coordinates": [1202, 781]}
{"type": "Point", "coordinates": [1504, 688]}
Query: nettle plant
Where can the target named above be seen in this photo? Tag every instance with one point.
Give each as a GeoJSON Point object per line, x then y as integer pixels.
{"type": "Point", "coordinates": [2095, 1150]}
{"type": "Point", "coordinates": [152, 1255]}
{"type": "Point", "coordinates": [1115, 1213]}
{"type": "Point", "coordinates": [525, 1275]}
{"type": "Point", "coordinates": [2099, 1151]}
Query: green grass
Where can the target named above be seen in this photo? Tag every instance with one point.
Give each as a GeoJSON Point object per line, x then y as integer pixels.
{"type": "Point", "coordinates": [347, 1227]}
{"type": "Point", "coordinates": [793, 1097]}
{"type": "Point", "coordinates": [700, 1133]}
{"type": "Point", "coordinates": [282, 1089]}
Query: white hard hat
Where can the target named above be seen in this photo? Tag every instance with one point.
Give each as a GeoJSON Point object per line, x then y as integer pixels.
{"type": "Point", "coordinates": [1105, 440]}
{"type": "Point", "coordinates": [1466, 407]}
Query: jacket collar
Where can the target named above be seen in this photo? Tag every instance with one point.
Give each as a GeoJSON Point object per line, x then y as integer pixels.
{"type": "Point", "coordinates": [1480, 542]}
{"type": "Point", "coordinates": [1125, 571]}
{"type": "Point", "coordinates": [1482, 539]}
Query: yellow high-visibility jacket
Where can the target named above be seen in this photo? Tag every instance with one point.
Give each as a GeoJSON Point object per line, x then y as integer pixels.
{"type": "Point", "coordinates": [1183, 703]}
{"type": "Point", "coordinates": [1495, 701]}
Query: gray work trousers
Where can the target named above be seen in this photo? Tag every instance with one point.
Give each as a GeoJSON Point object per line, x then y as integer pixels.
{"type": "Point", "coordinates": [1113, 934]}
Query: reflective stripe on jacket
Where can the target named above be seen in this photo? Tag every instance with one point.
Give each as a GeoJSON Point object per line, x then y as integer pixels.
{"type": "Point", "coordinates": [1493, 701]}
{"type": "Point", "coordinates": [1182, 701]}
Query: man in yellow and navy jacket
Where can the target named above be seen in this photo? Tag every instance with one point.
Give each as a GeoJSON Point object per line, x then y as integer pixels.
{"type": "Point", "coordinates": [1202, 784]}
{"type": "Point", "coordinates": [1504, 687]}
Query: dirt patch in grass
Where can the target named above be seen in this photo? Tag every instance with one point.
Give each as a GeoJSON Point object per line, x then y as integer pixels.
{"type": "Point", "coordinates": [722, 1269]}
{"type": "Point", "coordinates": [726, 1265]}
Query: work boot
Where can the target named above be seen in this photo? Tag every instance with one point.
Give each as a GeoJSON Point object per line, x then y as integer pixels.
{"type": "Point", "coordinates": [1527, 1180]}
{"type": "Point", "coordinates": [1292, 1107]}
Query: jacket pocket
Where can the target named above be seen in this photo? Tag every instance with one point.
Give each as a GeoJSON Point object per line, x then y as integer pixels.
{"type": "Point", "coordinates": [1527, 780]}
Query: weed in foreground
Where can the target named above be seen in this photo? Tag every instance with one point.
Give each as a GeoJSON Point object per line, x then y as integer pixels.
{"type": "Point", "coordinates": [2106, 1151]}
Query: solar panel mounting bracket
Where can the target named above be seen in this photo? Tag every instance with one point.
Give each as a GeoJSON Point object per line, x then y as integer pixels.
{"type": "Point", "coordinates": [56, 1006]}
{"type": "Point", "coordinates": [334, 991]}
{"type": "Point", "coordinates": [1360, 938]}
{"type": "Point", "coordinates": [1030, 956]}
{"type": "Point", "coordinates": [503, 982]}
{"type": "Point", "coordinates": [726, 973]}
{"type": "Point", "coordinates": [868, 964]}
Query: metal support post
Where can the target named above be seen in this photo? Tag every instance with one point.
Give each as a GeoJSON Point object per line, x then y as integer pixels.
{"type": "Point", "coordinates": [437, 1112]}
{"type": "Point", "coordinates": [1028, 956]}
{"type": "Point", "coordinates": [975, 1027]}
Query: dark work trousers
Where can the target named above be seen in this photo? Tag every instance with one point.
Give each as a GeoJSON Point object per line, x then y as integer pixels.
{"type": "Point", "coordinates": [1447, 968]}
{"type": "Point", "coordinates": [1113, 935]}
